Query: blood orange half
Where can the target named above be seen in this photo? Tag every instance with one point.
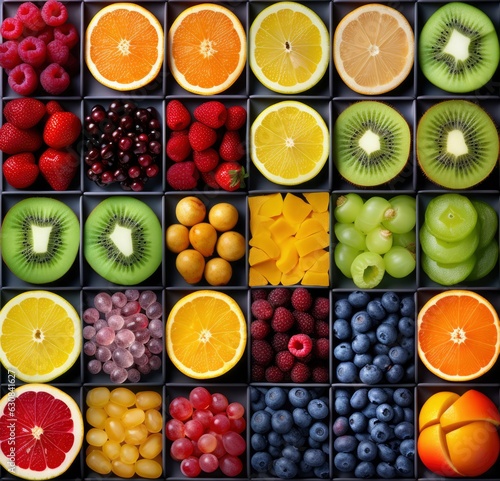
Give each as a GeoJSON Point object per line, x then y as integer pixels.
{"type": "Point", "coordinates": [41, 431]}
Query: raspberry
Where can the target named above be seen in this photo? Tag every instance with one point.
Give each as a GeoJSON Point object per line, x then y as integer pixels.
{"type": "Point", "coordinates": [54, 79]}
{"type": "Point", "coordinates": [279, 341]}
{"type": "Point", "coordinates": [57, 52]}
{"type": "Point", "coordinates": [46, 35]}
{"type": "Point", "coordinates": [9, 56]}
{"type": "Point", "coordinates": [31, 16]}
{"type": "Point", "coordinates": [274, 374]}
{"type": "Point", "coordinates": [258, 373]}
{"type": "Point", "coordinates": [211, 113]}
{"type": "Point", "coordinates": [284, 360]}
{"type": "Point", "coordinates": [320, 374]}
{"type": "Point", "coordinates": [280, 296]}
{"type": "Point", "coordinates": [54, 13]}
{"type": "Point", "coordinates": [282, 319]}
{"type": "Point", "coordinates": [322, 329]}
{"type": "Point", "coordinates": [301, 299]}
{"type": "Point", "coordinates": [322, 348]}
{"type": "Point", "coordinates": [262, 352]}
{"type": "Point", "coordinates": [209, 179]}
{"type": "Point", "coordinates": [321, 308]}
{"type": "Point", "coordinates": [11, 28]}
{"type": "Point", "coordinates": [261, 309]}
{"type": "Point", "coordinates": [300, 372]}
{"type": "Point", "coordinates": [259, 329]}
{"type": "Point", "coordinates": [33, 51]}
{"type": "Point", "coordinates": [23, 79]}
{"type": "Point", "coordinates": [206, 160]}
{"type": "Point", "coordinates": [67, 34]}
{"type": "Point", "coordinates": [236, 117]}
{"type": "Point", "coordinates": [178, 148]}
{"type": "Point", "coordinates": [300, 345]}
{"type": "Point", "coordinates": [304, 322]}
{"type": "Point", "coordinates": [178, 116]}
{"type": "Point", "coordinates": [201, 137]}
{"type": "Point", "coordinates": [259, 294]}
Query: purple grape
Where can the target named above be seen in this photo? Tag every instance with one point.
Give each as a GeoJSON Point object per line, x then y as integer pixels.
{"type": "Point", "coordinates": [90, 315]}
{"type": "Point", "coordinates": [155, 310]}
{"type": "Point", "coordinates": [156, 328]}
{"type": "Point", "coordinates": [103, 353]}
{"type": "Point", "coordinates": [94, 366]}
{"type": "Point", "coordinates": [136, 322]}
{"type": "Point", "coordinates": [130, 308]}
{"type": "Point", "coordinates": [116, 322]}
{"type": "Point", "coordinates": [122, 357]}
{"type": "Point", "coordinates": [108, 367]}
{"type": "Point", "coordinates": [119, 299]}
{"type": "Point", "coordinates": [105, 336]}
{"type": "Point", "coordinates": [114, 312]}
{"type": "Point", "coordinates": [102, 302]}
{"type": "Point", "coordinates": [132, 294]}
{"type": "Point", "coordinates": [142, 335]}
{"type": "Point", "coordinates": [144, 369]}
{"type": "Point", "coordinates": [118, 375]}
{"type": "Point", "coordinates": [89, 332]}
{"type": "Point", "coordinates": [142, 360]}
{"type": "Point", "coordinates": [155, 346]}
{"type": "Point", "coordinates": [136, 349]}
{"type": "Point", "coordinates": [89, 348]}
{"type": "Point", "coordinates": [100, 323]}
{"type": "Point", "coordinates": [155, 362]}
{"type": "Point", "coordinates": [133, 375]}
{"type": "Point", "coordinates": [124, 338]}
{"type": "Point", "coordinates": [147, 298]}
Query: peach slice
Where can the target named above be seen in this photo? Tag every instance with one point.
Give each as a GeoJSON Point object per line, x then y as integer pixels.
{"type": "Point", "coordinates": [320, 201]}
{"type": "Point", "coordinates": [434, 407]}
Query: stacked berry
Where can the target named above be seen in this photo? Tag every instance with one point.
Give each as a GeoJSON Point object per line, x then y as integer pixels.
{"type": "Point", "coordinates": [377, 338]}
{"type": "Point", "coordinates": [289, 335]}
{"type": "Point", "coordinates": [374, 433]}
{"type": "Point", "coordinates": [289, 432]}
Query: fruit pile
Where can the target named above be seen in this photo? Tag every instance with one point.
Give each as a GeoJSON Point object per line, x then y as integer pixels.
{"type": "Point", "coordinates": [205, 151]}
{"type": "Point", "coordinates": [125, 435]}
{"type": "Point", "coordinates": [375, 236]}
{"type": "Point", "coordinates": [289, 432]}
{"type": "Point", "coordinates": [40, 48]}
{"type": "Point", "coordinates": [30, 127]}
{"type": "Point", "coordinates": [124, 334]}
{"type": "Point", "coordinates": [374, 433]}
{"type": "Point", "coordinates": [377, 338]}
{"type": "Point", "coordinates": [289, 335]}
{"type": "Point", "coordinates": [206, 433]}
{"type": "Point", "coordinates": [458, 239]}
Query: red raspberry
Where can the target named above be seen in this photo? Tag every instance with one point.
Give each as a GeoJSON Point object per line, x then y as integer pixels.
{"type": "Point", "coordinates": [30, 15]}
{"type": "Point", "coordinates": [282, 319]}
{"type": "Point", "coordinates": [262, 352]}
{"type": "Point", "coordinates": [54, 79]}
{"type": "Point", "coordinates": [46, 34]}
{"type": "Point", "coordinates": [321, 348]}
{"type": "Point", "coordinates": [54, 13]}
{"type": "Point", "coordinates": [274, 374]}
{"type": "Point", "coordinates": [57, 52]}
{"type": "Point", "coordinates": [284, 360]}
{"type": "Point", "coordinates": [321, 308]}
{"type": "Point", "coordinates": [231, 148]}
{"type": "Point", "coordinates": [322, 329]}
{"type": "Point", "coordinates": [178, 116]}
{"type": "Point", "coordinates": [23, 79]}
{"type": "Point", "coordinates": [279, 341]}
{"type": "Point", "coordinates": [206, 160]}
{"type": "Point", "coordinates": [32, 50]}
{"type": "Point", "coordinates": [258, 294]}
{"type": "Point", "coordinates": [201, 137]}
{"type": "Point", "coordinates": [304, 322]}
{"type": "Point", "coordinates": [212, 113]}
{"type": "Point", "coordinates": [280, 296]}
{"type": "Point", "coordinates": [183, 175]}
{"type": "Point", "coordinates": [320, 374]}
{"type": "Point", "coordinates": [301, 299]}
{"type": "Point", "coordinates": [261, 309]}
{"type": "Point", "coordinates": [259, 329]}
{"type": "Point", "coordinates": [72, 65]}
{"type": "Point", "coordinates": [67, 34]}
{"type": "Point", "coordinates": [300, 372]}
{"type": "Point", "coordinates": [11, 28]}
{"type": "Point", "coordinates": [9, 56]}
{"type": "Point", "coordinates": [178, 148]}
{"type": "Point", "coordinates": [209, 179]}
{"type": "Point", "coordinates": [236, 117]}
{"type": "Point", "coordinates": [300, 345]}
{"type": "Point", "coordinates": [258, 373]}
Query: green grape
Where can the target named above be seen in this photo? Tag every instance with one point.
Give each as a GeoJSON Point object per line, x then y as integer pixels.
{"type": "Point", "coordinates": [487, 219]}
{"type": "Point", "coordinates": [407, 240]}
{"type": "Point", "coordinates": [447, 274]}
{"type": "Point", "coordinates": [399, 262]}
{"type": "Point", "coordinates": [379, 240]}
{"type": "Point", "coordinates": [367, 270]}
{"type": "Point", "coordinates": [486, 260]}
{"type": "Point", "coordinates": [344, 255]}
{"type": "Point", "coordinates": [348, 207]}
{"type": "Point", "coordinates": [371, 214]}
{"type": "Point", "coordinates": [402, 216]}
{"type": "Point", "coordinates": [349, 235]}
{"type": "Point", "coordinates": [404, 199]}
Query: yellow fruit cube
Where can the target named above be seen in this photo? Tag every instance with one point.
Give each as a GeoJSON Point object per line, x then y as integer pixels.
{"type": "Point", "coordinates": [293, 277]}
{"type": "Point", "coordinates": [289, 257]}
{"type": "Point", "coordinates": [273, 206]}
{"type": "Point", "coordinates": [323, 218]}
{"type": "Point", "coordinates": [269, 270]}
{"type": "Point", "coordinates": [259, 223]}
{"type": "Point", "coordinates": [256, 256]}
{"type": "Point", "coordinates": [307, 261]}
{"type": "Point", "coordinates": [255, 278]}
{"type": "Point", "coordinates": [255, 201]}
{"type": "Point", "coordinates": [316, 279]}
{"type": "Point", "coordinates": [319, 201]}
{"type": "Point", "coordinates": [322, 263]}
{"type": "Point", "coordinates": [264, 242]}
{"type": "Point", "coordinates": [281, 229]}
{"type": "Point", "coordinates": [318, 240]}
{"type": "Point", "coordinates": [308, 227]}
{"type": "Point", "coordinates": [295, 209]}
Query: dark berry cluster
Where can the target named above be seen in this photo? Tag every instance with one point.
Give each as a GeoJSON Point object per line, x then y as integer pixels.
{"type": "Point", "coordinates": [289, 432]}
{"type": "Point", "coordinates": [374, 433]}
{"type": "Point", "coordinates": [289, 335]}
{"type": "Point", "coordinates": [376, 338]}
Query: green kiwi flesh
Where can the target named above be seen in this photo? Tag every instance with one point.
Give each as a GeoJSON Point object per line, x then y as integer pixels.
{"type": "Point", "coordinates": [447, 274]}
{"type": "Point", "coordinates": [487, 258]}
{"type": "Point", "coordinates": [487, 220]}
{"type": "Point", "coordinates": [371, 143]}
{"type": "Point", "coordinates": [457, 144]}
{"type": "Point", "coordinates": [458, 48]}
{"type": "Point", "coordinates": [40, 239]}
{"type": "Point", "coordinates": [123, 240]}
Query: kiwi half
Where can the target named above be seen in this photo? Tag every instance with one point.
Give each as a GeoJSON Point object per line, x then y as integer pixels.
{"type": "Point", "coordinates": [371, 143]}
{"type": "Point", "coordinates": [40, 239]}
{"type": "Point", "coordinates": [458, 48]}
{"type": "Point", "coordinates": [457, 144]}
{"type": "Point", "coordinates": [123, 240]}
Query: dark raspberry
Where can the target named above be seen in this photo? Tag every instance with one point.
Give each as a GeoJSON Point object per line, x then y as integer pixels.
{"type": "Point", "coordinates": [279, 341]}
{"type": "Point", "coordinates": [54, 13]}
{"type": "Point", "coordinates": [320, 374]}
{"type": "Point", "coordinates": [9, 56]}
{"type": "Point", "coordinates": [261, 309]}
{"type": "Point", "coordinates": [23, 79]}
{"type": "Point", "coordinates": [57, 52]}
{"type": "Point", "coordinates": [280, 296]}
{"type": "Point", "coordinates": [321, 308]}
{"type": "Point", "coordinates": [300, 372]}
{"type": "Point", "coordinates": [54, 79]}
{"type": "Point", "coordinates": [258, 373]}
{"type": "Point", "coordinates": [11, 28]}
{"type": "Point", "coordinates": [301, 299]}
{"type": "Point", "coordinates": [72, 65]}
{"type": "Point", "coordinates": [33, 51]}
{"type": "Point", "coordinates": [300, 345]}
{"type": "Point", "coordinates": [259, 329]}
{"type": "Point", "coordinates": [321, 348]}
{"type": "Point", "coordinates": [274, 374]}
{"type": "Point", "coordinates": [304, 322]}
{"type": "Point", "coordinates": [284, 360]}
{"type": "Point", "coordinates": [322, 329]}
{"type": "Point", "coordinates": [282, 320]}
{"type": "Point", "coordinates": [262, 352]}
{"type": "Point", "coordinates": [67, 34]}
{"type": "Point", "coordinates": [258, 294]}
{"type": "Point", "coordinates": [46, 35]}
{"type": "Point", "coordinates": [31, 16]}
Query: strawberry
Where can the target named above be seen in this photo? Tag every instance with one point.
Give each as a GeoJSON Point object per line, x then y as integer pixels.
{"type": "Point", "coordinates": [209, 179]}
{"type": "Point", "coordinates": [14, 140]}
{"type": "Point", "coordinates": [61, 129]}
{"type": "Point", "coordinates": [20, 170]}
{"type": "Point", "coordinates": [53, 106]}
{"type": "Point", "coordinates": [178, 148]}
{"type": "Point", "coordinates": [178, 116]}
{"type": "Point", "coordinates": [206, 160]}
{"type": "Point", "coordinates": [58, 167]}
{"type": "Point", "coordinates": [25, 112]}
{"type": "Point", "coordinates": [183, 175]}
{"type": "Point", "coordinates": [231, 148]}
{"type": "Point", "coordinates": [212, 113]}
{"type": "Point", "coordinates": [230, 176]}
{"type": "Point", "coordinates": [201, 137]}
{"type": "Point", "coordinates": [236, 117]}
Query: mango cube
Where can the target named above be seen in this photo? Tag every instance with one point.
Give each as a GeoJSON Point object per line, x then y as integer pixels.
{"type": "Point", "coordinates": [256, 256]}
{"type": "Point", "coordinates": [295, 209]}
{"type": "Point", "coordinates": [281, 229]}
{"type": "Point", "coordinates": [273, 205]}
{"type": "Point", "coordinates": [315, 279]}
{"type": "Point", "coordinates": [319, 201]}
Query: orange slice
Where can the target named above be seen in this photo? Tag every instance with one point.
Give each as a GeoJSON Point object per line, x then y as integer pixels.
{"type": "Point", "coordinates": [373, 49]}
{"type": "Point", "coordinates": [458, 335]}
{"type": "Point", "coordinates": [206, 334]}
{"type": "Point", "coordinates": [207, 49]}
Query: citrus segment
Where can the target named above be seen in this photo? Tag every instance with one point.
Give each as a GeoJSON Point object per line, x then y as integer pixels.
{"type": "Point", "coordinates": [206, 49]}
{"type": "Point", "coordinates": [458, 335]}
{"type": "Point", "coordinates": [434, 407]}
{"type": "Point", "coordinates": [290, 143]}
{"type": "Point", "coordinates": [373, 49]}
{"type": "Point", "coordinates": [205, 334]}
{"type": "Point", "coordinates": [40, 336]}
{"type": "Point", "coordinates": [124, 46]}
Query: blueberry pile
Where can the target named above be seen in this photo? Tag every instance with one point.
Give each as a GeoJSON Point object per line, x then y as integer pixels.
{"type": "Point", "coordinates": [289, 432]}
{"type": "Point", "coordinates": [374, 432]}
{"type": "Point", "coordinates": [376, 338]}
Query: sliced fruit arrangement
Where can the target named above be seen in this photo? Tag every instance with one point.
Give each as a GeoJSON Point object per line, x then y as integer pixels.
{"type": "Point", "coordinates": [458, 335]}
{"type": "Point", "coordinates": [374, 236]}
{"type": "Point", "coordinates": [207, 49]}
{"type": "Point", "coordinates": [457, 144]}
{"type": "Point", "coordinates": [121, 240]}
{"type": "Point", "coordinates": [458, 239]}
{"type": "Point", "coordinates": [47, 431]}
{"type": "Point", "coordinates": [40, 239]}
{"type": "Point", "coordinates": [289, 47]}
{"type": "Point", "coordinates": [458, 433]}
{"type": "Point", "coordinates": [371, 143]}
{"type": "Point", "coordinates": [458, 48]}
{"type": "Point", "coordinates": [373, 49]}
{"type": "Point", "coordinates": [289, 239]}
{"type": "Point", "coordinates": [117, 33]}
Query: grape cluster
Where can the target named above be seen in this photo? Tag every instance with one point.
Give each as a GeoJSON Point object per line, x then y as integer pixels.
{"type": "Point", "coordinates": [123, 334]}
{"type": "Point", "coordinates": [374, 237]}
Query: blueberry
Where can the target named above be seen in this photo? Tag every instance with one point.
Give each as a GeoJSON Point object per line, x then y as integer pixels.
{"type": "Point", "coordinates": [345, 462]}
{"type": "Point", "coordinates": [361, 322]}
{"type": "Point", "coordinates": [342, 406]}
{"type": "Point", "coordinates": [347, 372]}
{"type": "Point", "coordinates": [372, 422]}
{"type": "Point", "coordinates": [292, 453]}
{"type": "Point", "coordinates": [326, 447]}
{"type": "Point", "coordinates": [284, 468]}
{"type": "Point", "coordinates": [408, 415]}
{"type": "Point", "coordinates": [407, 448]}
{"type": "Point", "coordinates": [343, 352]}
{"type": "Point", "coordinates": [275, 439]}
{"type": "Point", "coordinates": [261, 461]}
{"type": "Point", "coordinates": [361, 360]}
{"type": "Point", "coordinates": [385, 412]}
{"type": "Point", "coordinates": [385, 470]}
{"type": "Point", "coordinates": [318, 408]}
{"type": "Point", "coordinates": [342, 329]}
{"type": "Point", "coordinates": [282, 421]}
{"type": "Point", "coordinates": [366, 451]}
{"type": "Point", "coordinates": [259, 404]}
{"type": "Point", "coordinates": [304, 468]}
{"type": "Point", "coordinates": [377, 395]}
{"type": "Point", "coordinates": [254, 394]}
{"type": "Point", "coordinates": [319, 431]}
{"type": "Point", "coordinates": [386, 453]}
{"type": "Point", "coordinates": [392, 319]}
{"type": "Point", "coordinates": [358, 422]}
{"type": "Point", "coordinates": [301, 417]}
{"type": "Point", "coordinates": [404, 430]}
{"type": "Point", "coordinates": [382, 361]}
{"type": "Point", "coordinates": [269, 410]}
{"type": "Point", "coordinates": [260, 422]}
{"type": "Point", "coordinates": [339, 392]}
{"type": "Point", "coordinates": [403, 397]}
{"type": "Point", "coordinates": [376, 310]}
{"type": "Point", "coordinates": [370, 374]}
{"type": "Point", "coordinates": [361, 343]}
{"type": "Point", "coordinates": [276, 397]}
{"type": "Point", "coordinates": [390, 300]}
{"type": "Point", "coordinates": [381, 432]}
{"type": "Point", "coordinates": [407, 307]}
{"type": "Point", "coordinates": [406, 326]}
{"type": "Point", "coordinates": [258, 442]}
{"type": "Point", "coordinates": [404, 466]}
{"type": "Point", "coordinates": [274, 451]}
{"type": "Point", "coordinates": [408, 343]}
{"type": "Point", "coordinates": [359, 398]}
{"type": "Point", "coordinates": [299, 397]}
{"type": "Point", "coordinates": [345, 444]}
{"type": "Point", "coordinates": [312, 443]}
{"type": "Point", "coordinates": [364, 470]}
{"type": "Point", "coordinates": [379, 348]}
{"type": "Point", "coordinates": [372, 336]}
{"type": "Point", "coordinates": [343, 309]}
{"type": "Point", "coordinates": [395, 373]}
{"type": "Point", "coordinates": [358, 299]}
{"type": "Point", "coordinates": [370, 410]}
{"type": "Point", "coordinates": [386, 334]}
{"type": "Point", "coordinates": [399, 414]}
{"type": "Point", "coordinates": [323, 471]}
{"type": "Point", "coordinates": [314, 457]}
{"type": "Point", "coordinates": [410, 373]}
{"type": "Point", "coordinates": [363, 436]}
{"type": "Point", "coordinates": [398, 355]}
{"type": "Point", "coordinates": [294, 437]}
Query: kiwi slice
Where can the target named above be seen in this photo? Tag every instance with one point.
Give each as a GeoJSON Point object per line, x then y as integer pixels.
{"type": "Point", "coordinates": [123, 240]}
{"type": "Point", "coordinates": [458, 48]}
{"type": "Point", "coordinates": [487, 258]}
{"type": "Point", "coordinates": [457, 144]}
{"type": "Point", "coordinates": [371, 143]}
{"type": "Point", "coordinates": [40, 239]}
{"type": "Point", "coordinates": [487, 220]}
{"type": "Point", "coordinates": [448, 274]}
